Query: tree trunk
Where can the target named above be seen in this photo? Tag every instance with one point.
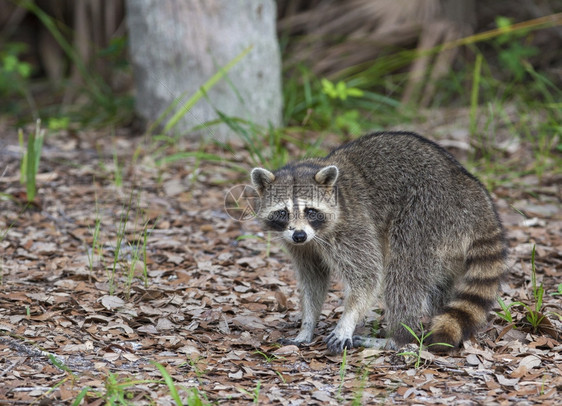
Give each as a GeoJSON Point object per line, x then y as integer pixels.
{"type": "Point", "coordinates": [177, 45]}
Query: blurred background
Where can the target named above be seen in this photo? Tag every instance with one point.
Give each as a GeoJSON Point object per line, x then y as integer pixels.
{"type": "Point", "coordinates": [347, 65]}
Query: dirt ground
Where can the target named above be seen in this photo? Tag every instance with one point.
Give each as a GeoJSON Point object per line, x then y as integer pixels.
{"type": "Point", "coordinates": [172, 279]}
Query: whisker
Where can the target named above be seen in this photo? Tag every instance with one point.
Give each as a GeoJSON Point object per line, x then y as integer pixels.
{"type": "Point", "coordinates": [322, 242]}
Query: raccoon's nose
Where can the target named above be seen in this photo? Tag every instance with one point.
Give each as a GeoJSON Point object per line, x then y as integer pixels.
{"type": "Point", "coordinates": [299, 236]}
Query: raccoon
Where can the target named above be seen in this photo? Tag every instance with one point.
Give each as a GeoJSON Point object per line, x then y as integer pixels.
{"type": "Point", "coordinates": [396, 218]}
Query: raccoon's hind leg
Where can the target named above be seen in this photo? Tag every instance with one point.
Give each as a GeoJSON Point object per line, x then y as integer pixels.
{"type": "Point", "coordinates": [313, 281]}
{"type": "Point", "coordinates": [409, 293]}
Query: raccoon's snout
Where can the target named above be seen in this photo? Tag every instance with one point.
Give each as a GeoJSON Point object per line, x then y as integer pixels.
{"type": "Point", "coordinates": [299, 236]}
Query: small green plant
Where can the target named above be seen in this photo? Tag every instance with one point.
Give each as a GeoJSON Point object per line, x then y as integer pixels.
{"type": "Point", "coordinates": [121, 236]}
{"type": "Point", "coordinates": [58, 123]}
{"type": "Point", "coordinates": [196, 398]}
{"type": "Point", "coordinates": [254, 394]}
{"type": "Point", "coordinates": [60, 365]}
{"type": "Point", "coordinates": [511, 50]}
{"type": "Point", "coordinates": [358, 395]}
{"type": "Point", "coordinates": [505, 313]}
{"type": "Point", "coordinates": [269, 358]}
{"type": "Point", "coordinates": [343, 370]}
{"type": "Point", "coordinates": [30, 159]}
{"type": "Point", "coordinates": [266, 148]}
{"type": "Point", "coordinates": [96, 246]}
{"type": "Point", "coordinates": [117, 170]}
{"type": "Point", "coordinates": [340, 90]}
{"type": "Point", "coordinates": [474, 95]}
{"type": "Point", "coordinates": [557, 293]}
{"type": "Point", "coordinates": [117, 391]}
{"type": "Point", "coordinates": [534, 315]}
{"type": "Point", "coordinates": [170, 382]}
{"type": "Point", "coordinates": [420, 339]}
{"type": "Point", "coordinates": [14, 76]}
{"type": "Point", "coordinates": [81, 396]}
{"type": "Point", "coordinates": [194, 364]}
{"type": "Point", "coordinates": [533, 312]}
{"type": "Point", "coordinates": [320, 104]}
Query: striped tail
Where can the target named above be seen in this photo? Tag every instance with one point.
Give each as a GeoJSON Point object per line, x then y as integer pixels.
{"type": "Point", "coordinates": [466, 312]}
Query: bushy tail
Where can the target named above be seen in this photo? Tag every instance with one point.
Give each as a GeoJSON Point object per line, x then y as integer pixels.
{"type": "Point", "coordinates": [466, 312]}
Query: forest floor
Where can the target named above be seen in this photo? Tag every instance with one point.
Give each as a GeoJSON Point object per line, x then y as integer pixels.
{"type": "Point", "coordinates": [170, 278]}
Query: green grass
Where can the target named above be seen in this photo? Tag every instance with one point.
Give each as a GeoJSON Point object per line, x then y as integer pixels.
{"type": "Point", "coordinates": [557, 293]}
{"type": "Point", "coordinates": [358, 394]}
{"type": "Point", "coordinates": [30, 159]}
{"type": "Point", "coordinates": [253, 394]}
{"type": "Point", "coordinates": [420, 339]}
{"type": "Point", "coordinates": [342, 373]}
{"type": "Point", "coordinates": [534, 311]}
{"type": "Point", "coordinates": [96, 246]}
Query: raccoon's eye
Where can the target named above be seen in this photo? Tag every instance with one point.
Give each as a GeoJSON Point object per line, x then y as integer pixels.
{"type": "Point", "coordinates": [310, 212]}
{"type": "Point", "coordinates": [280, 214]}
{"type": "Point", "coordinates": [278, 220]}
{"type": "Point", "coordinates": [317, 219]}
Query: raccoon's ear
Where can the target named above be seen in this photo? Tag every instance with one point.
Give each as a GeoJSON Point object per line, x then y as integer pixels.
{"type": "Point", "coordinates": [327, 176]}
{"type": "Point", "coordinates": [261, 178]}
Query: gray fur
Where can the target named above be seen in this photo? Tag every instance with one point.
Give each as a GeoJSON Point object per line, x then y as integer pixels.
{"type": "Point", "coordinates": [409, 227]}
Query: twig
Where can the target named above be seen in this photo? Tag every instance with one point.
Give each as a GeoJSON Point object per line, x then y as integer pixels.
{"type": "Point", "coordinates": [4, 372]}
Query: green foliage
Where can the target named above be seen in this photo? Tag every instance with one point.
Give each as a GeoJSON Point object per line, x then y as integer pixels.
{"type": "Point", "coordinates": [83, 393]}
{"type": "Point", "coordinates": [254, 394]}
{"type": "Point", "coordinates": [340, 90]}
{"type": "Point", "coordinates": [96, 246]}
{"type": "Point", "coordinates": [129, 251]}
{"type": "Point", "coordinates": [474, 95]}
{"type": "Point", "coordinates": [269, 358]}
{"type": "Point", "coordinates": [534, 311]}
{"type": "Point", "coordinates": [319, 104]}
{"type": "Point", "coordinates": [420, 340]}
{"type": "Point", "coordinates": [58, 123]}
{"type": "Point", "coordinates": [557, 293]}
{"type": "Point", "coordinates": [505, 314]}
{"type": "Point", "coordinates": [358, 394]}
{"type": "Point", "coordinates": [14, 75]}
{"type": "Point", "coordinates": [343, 371]}
{"type": "Point", "coordinates": [30, 159]}
{"type": "Point", "coordinates": [534, 315]}
{"type": "Point", "coordinates": [171, 386]}
{"type": "Point", "coordinates": [511, 51]}
{"type": "Point", "coordinates": [118, 391]}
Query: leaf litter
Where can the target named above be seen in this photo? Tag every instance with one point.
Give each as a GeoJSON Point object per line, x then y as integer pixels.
{"type": "Point", "coordinates": [184, 285]}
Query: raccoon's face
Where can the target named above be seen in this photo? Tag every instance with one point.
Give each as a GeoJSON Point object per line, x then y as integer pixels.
{"type": "Point", "coordinates": [298, 203]}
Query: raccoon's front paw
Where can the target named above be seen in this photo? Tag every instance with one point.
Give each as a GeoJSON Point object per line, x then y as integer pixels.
{"type": "Point", "coordinates": [336, 344]}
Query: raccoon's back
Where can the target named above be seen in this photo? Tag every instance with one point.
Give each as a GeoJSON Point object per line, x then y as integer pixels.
{"type": "Point", "coordinates": [398, 156]}
{"type": "Point", "coordinates": [384, 172]}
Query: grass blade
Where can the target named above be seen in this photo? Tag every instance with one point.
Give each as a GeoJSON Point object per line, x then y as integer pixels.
{"type": "Point", "coordinates": [170, 382]}
{"type": "Point", "coordinates": [203, 90]}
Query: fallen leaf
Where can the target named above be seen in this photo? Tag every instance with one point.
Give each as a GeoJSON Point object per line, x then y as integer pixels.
{"type": "Point", "coordinates": [112, 302]}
